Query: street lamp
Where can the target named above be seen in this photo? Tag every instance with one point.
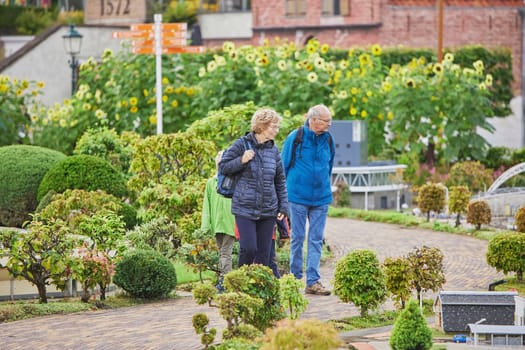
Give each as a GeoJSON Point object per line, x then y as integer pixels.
{"type": "Point", "coordinates": [72, 45]}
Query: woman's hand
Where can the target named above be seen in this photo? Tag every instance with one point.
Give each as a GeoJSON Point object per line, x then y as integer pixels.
{"type": "Point", "coordinates": [280, 216]}
{"type": "Point", "coordinates": [247, 156]}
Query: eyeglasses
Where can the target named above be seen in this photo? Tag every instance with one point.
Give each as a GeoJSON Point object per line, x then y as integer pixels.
{"type": "Point", "coordinates": [327, 121]}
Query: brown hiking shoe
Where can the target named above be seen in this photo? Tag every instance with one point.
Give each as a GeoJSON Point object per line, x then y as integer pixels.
{"type": "Point", "coordinates": [317, 289]}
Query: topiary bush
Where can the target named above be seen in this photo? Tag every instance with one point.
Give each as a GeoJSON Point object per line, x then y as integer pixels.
{"type": "Point", "coordinates": [145, 274]}
{"type": "Point", "coordinates": [22, 168]}
{"type": "Point", "coordinates": [478, 213]}
{"type": "Point", "coordinates": [84, 172]}
{"type": "Point", "coordinates": [411, 331]}
{"type": "Point", "coordinates": [519, 219]}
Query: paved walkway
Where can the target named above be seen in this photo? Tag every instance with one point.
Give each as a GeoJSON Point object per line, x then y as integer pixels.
{"type": "Point", "coordinates": [167, 325]}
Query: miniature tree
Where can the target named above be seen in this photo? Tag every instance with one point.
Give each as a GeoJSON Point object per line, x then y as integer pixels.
{"type": "Point", "coordinates": [411, 331]}
{"type": "Point", "coordinates": [478, 213]}
{"type": "Point", "coordinates": [398, 277]}
{"type": "Point", "coordinates": [40, 255]}
{"type": "Point", "coordinates": [292, 299]}
{"type": "Point", "coordinates": [519, 219]}
{"type": "Point", "coordinates": [426, 265]}
{"type": "Point", "coordinates": [431, 197]}
{"type": "Point", "coordinates": [458, 201]}
{"type": "Point", "coordinates": [359, 279]}
{"type": "Point", "coordinates": [505, 253]}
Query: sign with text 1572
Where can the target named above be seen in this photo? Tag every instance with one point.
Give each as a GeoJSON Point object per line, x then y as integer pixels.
{"type": "Point", "coordinates": [115, 11]}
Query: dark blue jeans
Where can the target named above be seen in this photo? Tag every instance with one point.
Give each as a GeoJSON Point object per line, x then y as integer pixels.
{"type": "Point", "coordinates": [255, 240]}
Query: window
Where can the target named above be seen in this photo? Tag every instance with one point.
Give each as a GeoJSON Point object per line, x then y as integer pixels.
{"type": "Point", "coordinates": [336, 7]}
{"type": "Point", "coordinates": [295, 7]}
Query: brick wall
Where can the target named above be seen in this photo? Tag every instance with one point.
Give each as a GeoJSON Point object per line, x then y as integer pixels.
{"type": "Point", "coordinates": [411, 23]}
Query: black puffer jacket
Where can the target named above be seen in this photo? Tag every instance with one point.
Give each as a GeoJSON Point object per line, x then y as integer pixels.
{"type": "Point", "coordinates": [261, 186]}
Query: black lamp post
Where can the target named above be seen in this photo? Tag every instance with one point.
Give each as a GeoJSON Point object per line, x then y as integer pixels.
{"type": "Point", "coordinates": [72, 45]}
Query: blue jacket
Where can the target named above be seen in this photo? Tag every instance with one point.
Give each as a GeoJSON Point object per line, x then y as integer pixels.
{"type": "Point", "coordinates": [309, 180]}
{"type": "Point", "coordinates": [260, 191]}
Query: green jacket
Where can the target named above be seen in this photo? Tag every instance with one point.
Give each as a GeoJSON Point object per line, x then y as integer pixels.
{"type": "Point", "coordinates": [216, 211]}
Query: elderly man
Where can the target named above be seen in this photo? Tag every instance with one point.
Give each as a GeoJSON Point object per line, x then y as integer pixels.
{"type": "Point", "coordinates": [308, 157]}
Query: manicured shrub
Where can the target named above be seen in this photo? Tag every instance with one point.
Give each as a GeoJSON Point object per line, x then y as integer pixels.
{"type": "Point", "coordinates": [411, 331]}
{"type": "Point", "coordinates": [359, 279]}
{"type": "Point", "coordinates": [519, 219]}
{"type": "Point", "coordinates": [478, 213]}
{"type": "Point", "coordinates": [257, 281]}
{"type": "Point", "coordinates": [83, 172]}
{"type": "Point", "coordinates": [505, 253]}
{"type": "Point", "coordinates": [309, 334]}
{"type": "Point", "coordinates": [22, 168]}
{"type": "Point", "coordinates": [145, 274]}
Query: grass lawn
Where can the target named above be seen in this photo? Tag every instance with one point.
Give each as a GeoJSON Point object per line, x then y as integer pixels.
{"type": "Point", "coordinates": [187, 275]}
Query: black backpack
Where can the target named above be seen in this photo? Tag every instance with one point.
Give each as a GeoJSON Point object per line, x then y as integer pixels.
{"type": "Point", "coordinates": [226, 183]}
{"type": "Point", "coordinates": [299, 139]}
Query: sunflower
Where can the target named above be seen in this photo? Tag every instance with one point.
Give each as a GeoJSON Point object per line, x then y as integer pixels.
{"type": "Point", "coordinates": [312, 77]}
{"type": "Point", "coordinates": [376, 50]}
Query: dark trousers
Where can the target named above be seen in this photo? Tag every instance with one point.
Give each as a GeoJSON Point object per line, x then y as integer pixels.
{"type": "Point", "coordinates": [255, 240]}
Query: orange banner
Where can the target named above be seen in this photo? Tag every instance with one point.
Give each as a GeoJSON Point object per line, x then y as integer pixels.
{"type": "Point", "coordinates": [165, 26]}
{"type": "Point", "coordinates": [145, 50]}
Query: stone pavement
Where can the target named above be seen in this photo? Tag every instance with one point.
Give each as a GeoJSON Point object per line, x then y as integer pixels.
{"type": "Point", "coordinates": [167, 325]}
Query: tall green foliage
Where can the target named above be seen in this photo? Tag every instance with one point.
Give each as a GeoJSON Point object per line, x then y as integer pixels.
{"type": "Point", "coordinates": [169, 176]}
{"type": "Point", "coordinates": [433, 108]}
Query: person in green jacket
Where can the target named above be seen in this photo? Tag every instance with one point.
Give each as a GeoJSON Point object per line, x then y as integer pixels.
{"type": "Point", "coordinates": [218, 219]}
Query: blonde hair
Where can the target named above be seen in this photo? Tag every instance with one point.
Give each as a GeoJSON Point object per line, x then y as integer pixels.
{"type": "Point", "coordinates": [262, 118]}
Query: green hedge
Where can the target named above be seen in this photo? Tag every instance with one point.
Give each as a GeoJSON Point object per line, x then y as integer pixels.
{"type": "Point", "coordinates": [22, 168]}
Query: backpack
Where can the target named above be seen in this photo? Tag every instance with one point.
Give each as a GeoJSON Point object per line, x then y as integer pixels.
{"type": "Point", "coordinates": [226, 183]}
{"type": "Point", "coordinates": [299, 139]}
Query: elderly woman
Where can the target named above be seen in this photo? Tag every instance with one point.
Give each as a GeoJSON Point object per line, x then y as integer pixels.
{"type": "Point", "coordinates": [260, 195]}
